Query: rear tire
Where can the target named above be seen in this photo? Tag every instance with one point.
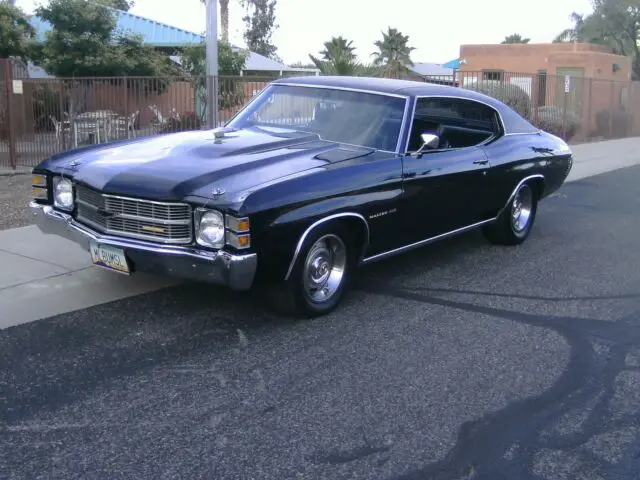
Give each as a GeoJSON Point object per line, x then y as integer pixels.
{"type": "Point", "coordinates": [514, 224]}
{"type": "Point", "coordinates": [320, 276]}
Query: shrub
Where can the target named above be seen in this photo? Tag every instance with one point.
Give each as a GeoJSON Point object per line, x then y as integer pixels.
{"type": "Point", "coordinates": [616, 125]}
{"type": "Point", "coordinates": [550, 119]}
{"type": "Point", "coordinates": [181, 123]}
{"type": "Point", "coordinates": [508, 93]}
{"type": "Point", "coordinates": [46, 103]}
{"type": "Point", "coordinates": [230, 94]}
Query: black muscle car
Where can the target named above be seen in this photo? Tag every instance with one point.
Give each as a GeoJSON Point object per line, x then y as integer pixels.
{"type": "Point", "coordinates": [315, 176]}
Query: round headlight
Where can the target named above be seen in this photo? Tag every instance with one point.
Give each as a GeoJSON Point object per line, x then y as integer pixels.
{"type": "Point", "coordinates": [211, 229]}
{"type": "Point", "coordinates": [63, 194]}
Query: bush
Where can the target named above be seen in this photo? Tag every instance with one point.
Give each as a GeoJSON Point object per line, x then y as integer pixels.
{"type": "Point", "coordinates": [616, 125]}
{"type": "Point", "coordinates": [550, 119]}
{"type": "Point", "coordinates": [230, 93]}
{"type": "Point", "coordinates": [46, 103]}
{"type": "Point", "coordinates": [508, 93]}
{"type": "Point", "coordinates": [181, 123]}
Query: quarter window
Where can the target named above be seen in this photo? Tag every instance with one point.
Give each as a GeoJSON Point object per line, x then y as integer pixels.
{"type": "Point", "coordinates": [458, 122]}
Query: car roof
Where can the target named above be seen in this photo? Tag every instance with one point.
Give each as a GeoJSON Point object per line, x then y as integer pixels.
{"type": "Point", "coordinates": [513, 122]}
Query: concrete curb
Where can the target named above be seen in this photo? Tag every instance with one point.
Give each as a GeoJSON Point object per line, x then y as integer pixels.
{"type": "Point", "coordinates": [6, 172]}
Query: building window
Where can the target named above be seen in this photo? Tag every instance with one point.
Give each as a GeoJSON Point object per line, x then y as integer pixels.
{"type": "Point", "coordinates": [492, 75]}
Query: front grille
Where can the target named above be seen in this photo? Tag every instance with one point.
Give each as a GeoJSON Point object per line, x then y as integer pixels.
{"type": "Point", "coordinates": [162, 222]}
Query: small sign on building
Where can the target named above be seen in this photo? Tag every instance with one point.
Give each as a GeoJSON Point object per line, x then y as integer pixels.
{"type": "Point", "coordinates": [17, 87]}
{"type": "Point", "coordinates": [567, 84]}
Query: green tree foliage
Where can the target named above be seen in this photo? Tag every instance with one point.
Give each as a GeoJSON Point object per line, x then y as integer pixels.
{"type": "Point", "coordinates": [515, 38]}
{"type": "Point", "coordinates": [614, 23]}
{"type": "Point", "coordinates": [17, 36]}
{"type": "Point", "coordinates": [124, 5]}
{"type": "Point", "coordinates": [84, 43]}
{"type": "Point", "coordinates": [338, 47]}
{"type": "Point", "coordinates": [338, 58]}
{"type": "Point", "coordinates": [260, 23]}
{"type": "Point", "coordinates": [231, 62]}
{"type": "Point", "coordinates": [224, 18]}
{"type": "Point", "coordinates": [572, 34]}
{"type": "Point", "coordinates": [394, 53]}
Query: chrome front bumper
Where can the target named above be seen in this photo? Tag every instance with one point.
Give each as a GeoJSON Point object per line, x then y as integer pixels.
{"type": "Point", "coordinates": [222, 268]}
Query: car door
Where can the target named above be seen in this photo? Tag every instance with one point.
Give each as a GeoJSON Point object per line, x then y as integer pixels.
{"type": "Point", "coordinates": [447, 188]}
{"type": "Point", "coordinates": [444, 190]}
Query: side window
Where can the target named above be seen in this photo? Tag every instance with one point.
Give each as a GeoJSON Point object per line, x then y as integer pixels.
{"type": "Point", "coordinates": [457, 122]}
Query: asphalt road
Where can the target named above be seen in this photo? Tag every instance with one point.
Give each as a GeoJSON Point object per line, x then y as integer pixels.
{"type": "Point", "coordinates": [461, 360]}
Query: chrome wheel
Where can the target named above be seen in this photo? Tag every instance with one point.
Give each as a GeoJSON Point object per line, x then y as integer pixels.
{"type": "Point", "coordinates": [324, 268]}
{"type": "Point", "coordinates": [521, 209]}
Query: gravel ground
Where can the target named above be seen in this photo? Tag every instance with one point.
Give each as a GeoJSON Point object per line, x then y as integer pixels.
{"type": "Point", "coordinates": [15, 193]}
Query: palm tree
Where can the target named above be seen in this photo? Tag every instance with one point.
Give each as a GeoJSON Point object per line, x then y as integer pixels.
{"type": "Point", "coordinates": [573, 34]}
{"type": "Point", "coordinates": [337, 58]}
{"type": "Point", "coordinates": [515, 38]}
{"type": "Point", "coordinates": [224, 18]}
{"type": "Point", "coordinates": [338, 47]}
{"type": "Point", "coordinates": [394, 53]}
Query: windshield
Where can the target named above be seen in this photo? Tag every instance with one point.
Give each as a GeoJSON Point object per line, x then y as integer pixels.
{"type": "Point", "coordinates": [364, 119]}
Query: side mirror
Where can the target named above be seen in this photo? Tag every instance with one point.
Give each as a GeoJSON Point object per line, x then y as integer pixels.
{"type": "Point", "coordinates": [429, 142]}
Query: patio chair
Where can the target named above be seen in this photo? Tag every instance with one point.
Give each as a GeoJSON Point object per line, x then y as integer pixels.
{"type": "Point", "coordinates": [126, 125]}
{"type": "Point", "coordinates": [61, 128]}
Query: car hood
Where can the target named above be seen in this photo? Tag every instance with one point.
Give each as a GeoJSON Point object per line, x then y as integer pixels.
{"type": "Point", "coordinates": [179, 165]}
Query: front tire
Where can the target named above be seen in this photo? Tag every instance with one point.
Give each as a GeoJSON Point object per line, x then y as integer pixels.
{"type": "Point", "coordinates": [320, 275]}
{"type": "Point", "coordinates": [514, 224]}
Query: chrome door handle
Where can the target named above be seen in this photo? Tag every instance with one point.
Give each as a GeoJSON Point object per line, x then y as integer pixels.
{"type": "Point", "coordinates": [480, 162]}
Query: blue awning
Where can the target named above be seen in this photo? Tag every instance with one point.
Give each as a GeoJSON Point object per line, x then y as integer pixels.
{"type": "Point", "coordinates": [455, 64]}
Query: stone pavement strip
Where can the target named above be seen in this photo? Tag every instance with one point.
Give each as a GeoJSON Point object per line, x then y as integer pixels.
{"type": "Point", "coordinates": [44, 275]}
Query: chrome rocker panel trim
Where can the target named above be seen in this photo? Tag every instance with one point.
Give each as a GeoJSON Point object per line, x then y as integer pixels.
{"type": "Point", "coordinates": [406, 248]}
{"type": "Point", "coordinates": [222, 268]}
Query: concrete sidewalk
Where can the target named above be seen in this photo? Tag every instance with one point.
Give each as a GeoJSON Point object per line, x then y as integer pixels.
{"type": "Point", "coordinates": [44, 275]}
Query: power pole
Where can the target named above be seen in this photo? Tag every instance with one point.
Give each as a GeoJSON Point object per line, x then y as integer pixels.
{"type": "Point", "coordinates": [212, 62]}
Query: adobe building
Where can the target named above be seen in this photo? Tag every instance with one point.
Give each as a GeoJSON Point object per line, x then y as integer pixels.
{"type": "Point", "coordinates": [598, 79]}
{"type": "Point", "coordinates": [574, 59]}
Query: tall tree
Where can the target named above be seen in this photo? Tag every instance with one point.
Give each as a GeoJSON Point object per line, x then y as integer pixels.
{"type": "Point", "coordinates": [515, 38]}
{"type": "Point", "coordinates": [338, 47]}
{"type": "Point", "coordinates": [125, 5]}
{"type": "Point", "coordinates": [17, 36]}
{"type": "Point", "coordinates": [84, 42]}
{"type": "Point", "coordinates": [615, 23]}
{"type": "Point", "coordinates": [394, 53]}
{"type": "Point", "coordinates": [231, 61]}
{"type": "Point", "coordinates": [571, 34]}
{"type": "Point", "coordinates": [337, 58]}
{"type": "Point", "coordinates": [224, 18]}
{"type": "Point", "coordinates": [260, 23]}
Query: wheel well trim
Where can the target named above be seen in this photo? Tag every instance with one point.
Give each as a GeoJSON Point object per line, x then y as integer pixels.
{"type": "Point", "coordinates": [537, 176]}
{"type": "Point", "coordinates": [316, 224]}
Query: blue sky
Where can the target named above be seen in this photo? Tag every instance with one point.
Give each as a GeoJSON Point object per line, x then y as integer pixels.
{"type": "Point", "coordinates": [436, 29]}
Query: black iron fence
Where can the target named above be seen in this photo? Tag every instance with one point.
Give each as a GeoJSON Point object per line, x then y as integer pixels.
{"type": "Point", "coordinates": [42, 117]}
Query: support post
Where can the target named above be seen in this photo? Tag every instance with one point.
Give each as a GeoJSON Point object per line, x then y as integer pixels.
{"type": "Point", "coordinates": [212, 62]}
